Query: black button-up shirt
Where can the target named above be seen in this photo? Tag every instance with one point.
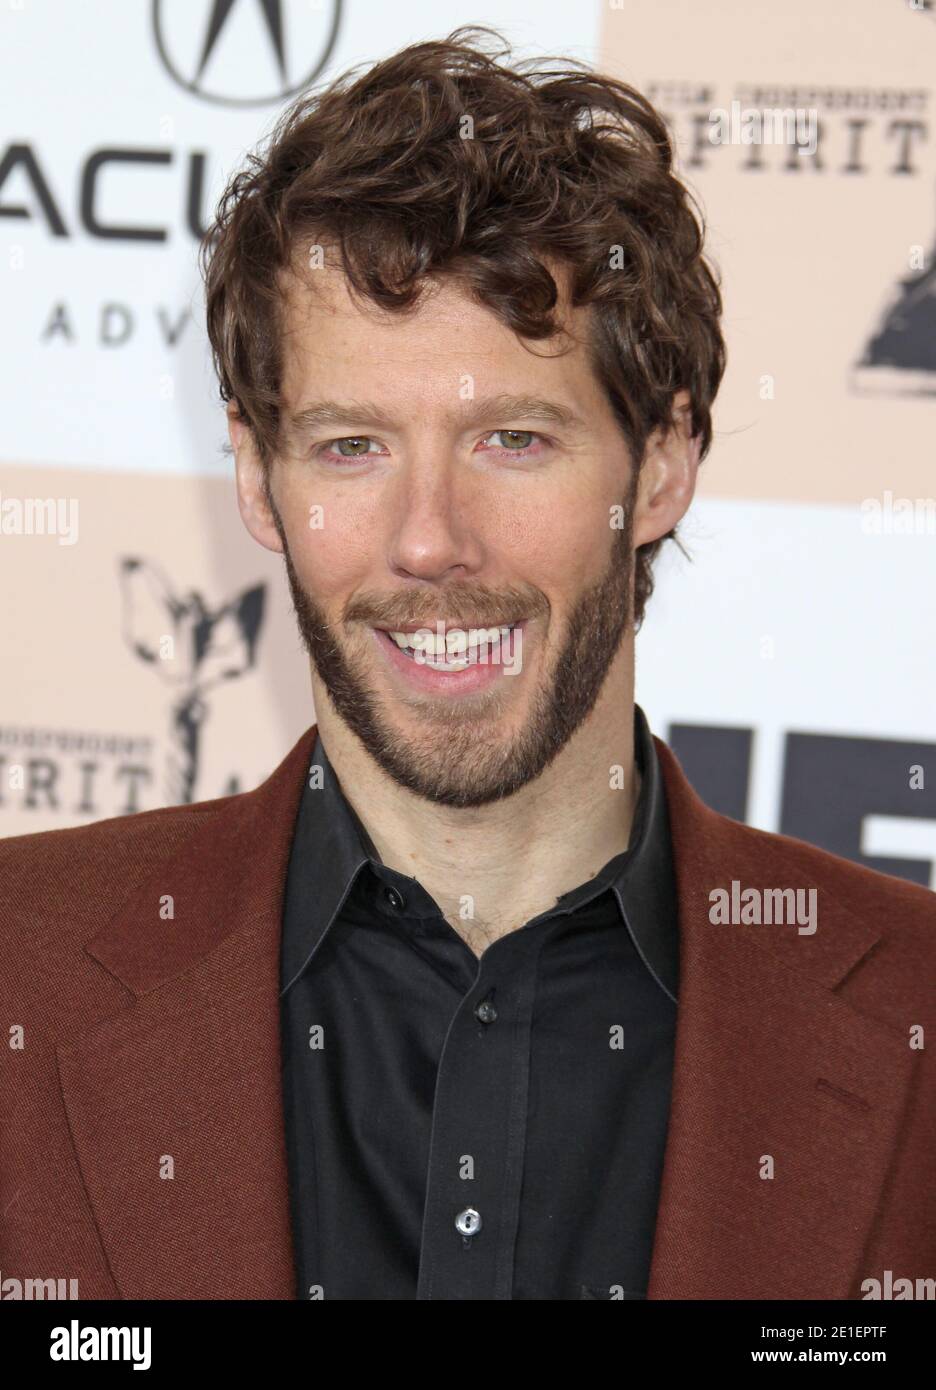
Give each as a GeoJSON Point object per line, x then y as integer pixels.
{"type": "Point", "coordinates": [465, 1128]}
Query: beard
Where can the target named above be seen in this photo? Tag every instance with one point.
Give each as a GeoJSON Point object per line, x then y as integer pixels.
{"type": "Point", "coordinates": [457, 757]}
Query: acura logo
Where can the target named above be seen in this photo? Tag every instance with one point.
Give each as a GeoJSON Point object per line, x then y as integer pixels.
{"type": "Point", "coordinates": [245, 52]}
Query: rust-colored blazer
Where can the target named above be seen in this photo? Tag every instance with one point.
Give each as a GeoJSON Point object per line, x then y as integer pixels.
{"type": "Point", "coordinates": [133, 1039]}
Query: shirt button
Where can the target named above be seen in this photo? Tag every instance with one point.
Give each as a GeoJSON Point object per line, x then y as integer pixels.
{"type": "Point", "coordinates": [486, 1011]}
{"type": "Point", "coordinates": [395, 899]}
{"type": "Point", "coordinates": [468, 1222]}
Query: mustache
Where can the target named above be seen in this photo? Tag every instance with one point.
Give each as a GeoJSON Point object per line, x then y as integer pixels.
{"type": "Point", "coordinates": [465, 609]}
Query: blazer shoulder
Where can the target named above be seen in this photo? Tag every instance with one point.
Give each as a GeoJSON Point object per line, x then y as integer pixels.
{"type": "Point", "coordinates": [783, 861]}
{"type": "Point", "coordinates": [717, 845]}
{"type": "Point", "coordinates": [74, 878]}
{"type": "Point", "coordinates": [59, 889]}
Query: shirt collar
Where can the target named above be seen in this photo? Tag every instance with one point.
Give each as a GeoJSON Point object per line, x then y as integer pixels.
{"type": "Point", "coordinates": [331, 849]}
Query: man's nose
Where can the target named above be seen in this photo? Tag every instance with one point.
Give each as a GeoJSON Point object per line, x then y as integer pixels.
{"type": "Point", "coordinates": [434, 527]}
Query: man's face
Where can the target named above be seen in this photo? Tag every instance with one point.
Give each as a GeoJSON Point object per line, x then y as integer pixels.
{"type": "Point", "coordinates": [451, 476]}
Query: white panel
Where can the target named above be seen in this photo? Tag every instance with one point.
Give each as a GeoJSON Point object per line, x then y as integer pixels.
{"type": "Point", "coordinates": [80, 77]}
{"type": "Point", "coordinates": [851, 616]}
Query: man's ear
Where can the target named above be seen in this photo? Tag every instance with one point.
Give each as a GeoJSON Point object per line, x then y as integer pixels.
{"type": "Point", "coordinates": [252, 499]}
{"type": "Point", "coordinates": [668, 475]}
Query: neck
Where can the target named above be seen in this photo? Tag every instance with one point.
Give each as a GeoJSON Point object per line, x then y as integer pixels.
{"type": "Point", "coordinates": [493, 868]}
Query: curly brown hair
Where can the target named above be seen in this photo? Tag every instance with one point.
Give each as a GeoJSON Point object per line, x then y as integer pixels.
{"type": "Point", "coordinates": [561, 165]}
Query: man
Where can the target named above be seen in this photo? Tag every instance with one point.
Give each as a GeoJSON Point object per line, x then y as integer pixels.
{"type": "Point", "coordinates": [473, 998]}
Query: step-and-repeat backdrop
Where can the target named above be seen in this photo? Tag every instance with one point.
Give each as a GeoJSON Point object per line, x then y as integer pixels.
{"type": "Point", "coordinates": [790, 660]}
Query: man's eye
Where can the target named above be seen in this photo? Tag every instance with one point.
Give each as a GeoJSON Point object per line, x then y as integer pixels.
{"type": "Point", "coordinates": [514, 441]}
{"type": "Point", "coordinates": [358, 446]}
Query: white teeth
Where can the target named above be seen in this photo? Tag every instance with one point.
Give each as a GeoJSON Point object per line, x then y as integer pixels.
{"type": "Point", "coordinates": [455, 642]}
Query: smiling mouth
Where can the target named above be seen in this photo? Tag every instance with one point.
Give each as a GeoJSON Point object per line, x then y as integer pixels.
{"type": "Point", "coordinates": [454, 649]}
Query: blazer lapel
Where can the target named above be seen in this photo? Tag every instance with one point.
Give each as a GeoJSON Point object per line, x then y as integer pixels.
{"type": "Point", "coordinates": [174, 1103]}
{"type": "Point", "coordinates": [771, 1065]}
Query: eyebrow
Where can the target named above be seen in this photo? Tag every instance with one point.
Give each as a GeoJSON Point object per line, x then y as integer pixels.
{"type": "Point", "coordinates": [489, 408]}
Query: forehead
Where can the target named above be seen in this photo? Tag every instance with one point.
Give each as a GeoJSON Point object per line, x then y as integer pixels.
{"type": "Point", "coordinates": [334, 340]}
